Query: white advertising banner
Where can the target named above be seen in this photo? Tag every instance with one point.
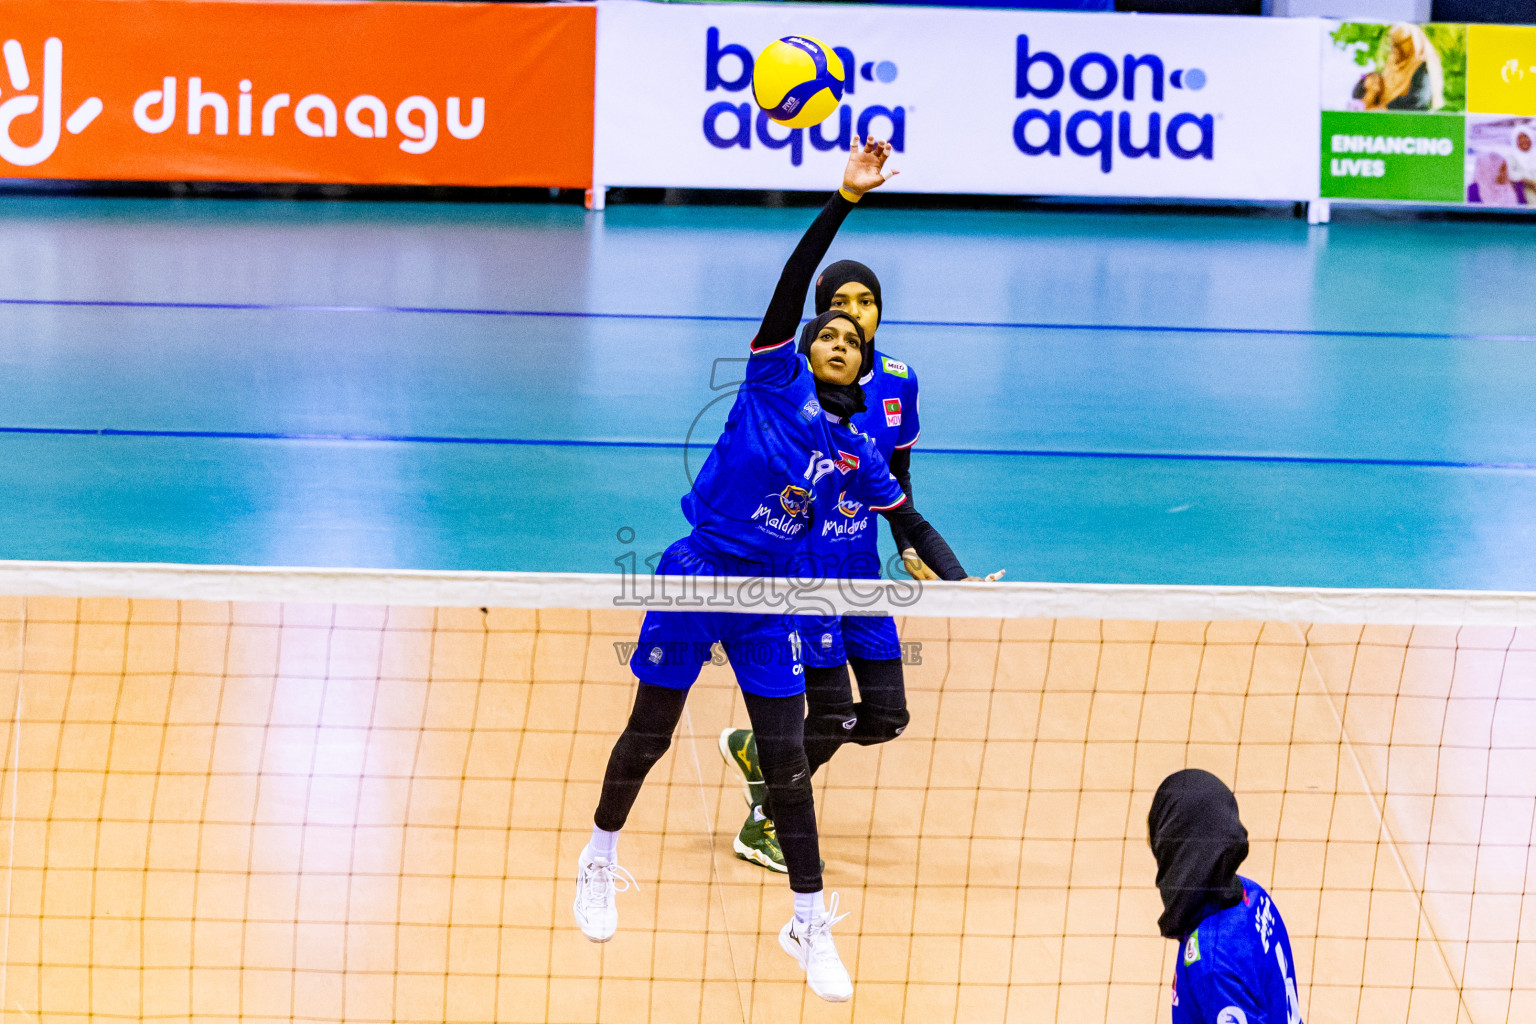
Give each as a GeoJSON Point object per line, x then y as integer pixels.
{"type": "Point", "coordinates": [974, 101]}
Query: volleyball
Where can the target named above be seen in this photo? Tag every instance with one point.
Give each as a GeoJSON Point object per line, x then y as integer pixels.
{"type": "Point", "coordinates": [798, 81]}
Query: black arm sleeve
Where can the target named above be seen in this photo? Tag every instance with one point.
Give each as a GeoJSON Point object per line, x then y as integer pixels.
{"type": "Point", "coordinates": [901, 469]}
{"type": "Point", "coordinates": [783, 316]}
{"type": "Point", "coordinates": [931, 547]}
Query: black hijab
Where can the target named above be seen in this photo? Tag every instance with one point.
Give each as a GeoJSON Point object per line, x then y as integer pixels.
{"type": "Point", "coordinates": [839, 274]}
{"type": "Point", "coordinates": [1198, 842]}
{"type": "Point", "coordinates": [842, 400]}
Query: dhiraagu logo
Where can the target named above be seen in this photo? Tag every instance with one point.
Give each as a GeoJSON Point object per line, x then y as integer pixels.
{"type": "Point", "coordinates": [1098, 133]}
{"type": "Point", "coordinates": [733, 124]}
{"type": "Point", "coordinates": [416, 118]}
{"type": "Point", "coordinates": [45, 98]}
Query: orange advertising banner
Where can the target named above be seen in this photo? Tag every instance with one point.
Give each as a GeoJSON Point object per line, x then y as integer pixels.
{"type": "Point", "coordinates": [345, 92]}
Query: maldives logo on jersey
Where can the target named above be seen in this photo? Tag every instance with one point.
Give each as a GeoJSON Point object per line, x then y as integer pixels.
{"type": "Point", "coordinates": [846, 463]}
{"type": "Point", "coordinates": [854, 522]}
{"type": "Point", "coordinates": [794, 501]}
{"type": "Point", "coordinates": [893, 412]}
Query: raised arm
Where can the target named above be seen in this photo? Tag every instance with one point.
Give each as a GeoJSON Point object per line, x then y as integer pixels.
{"type": "Point", "coordinates": [783, 316]}
{"type": "Point", "coordinates": [865, 170]}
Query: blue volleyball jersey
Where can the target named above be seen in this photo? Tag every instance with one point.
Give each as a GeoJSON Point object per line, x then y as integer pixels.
{"type": "Point", "coordinates": [866, 488]}
{"type": "Point", "coordinates": [1236, 967]}
{"type": "Point", "coordinates": [848, 542]}
{"type": "Point", "coordinates": [778, 464]}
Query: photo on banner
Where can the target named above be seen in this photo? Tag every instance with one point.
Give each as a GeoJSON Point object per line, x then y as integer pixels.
{"type": "Point", "coordinates": [1501, 160]}
{"type": "Point", "coordinates": [1394, 98]}
{"type": "Point", "coordinates": [1501, 118]}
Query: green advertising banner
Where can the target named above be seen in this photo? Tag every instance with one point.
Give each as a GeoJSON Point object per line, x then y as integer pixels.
{"type": "Point", "coordinates": [1415, 157]}
{"type": "Point", "coordinates": [1393, 124]}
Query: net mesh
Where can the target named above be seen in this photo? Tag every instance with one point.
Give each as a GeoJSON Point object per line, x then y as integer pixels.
{"type": "Point", "coordinates": [230, 810]}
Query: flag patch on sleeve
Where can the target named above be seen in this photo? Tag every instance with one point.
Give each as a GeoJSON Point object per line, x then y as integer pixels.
{"type": "Point", "coordinates": [893, 412]}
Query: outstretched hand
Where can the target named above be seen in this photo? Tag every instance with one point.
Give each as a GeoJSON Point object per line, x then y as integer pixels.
{"type": "Point", "coordinates": [915, 566]}
{"type": "Point", "coordinates": [866, 166]}
{"type": "Point", "coordinates": [991, 577]}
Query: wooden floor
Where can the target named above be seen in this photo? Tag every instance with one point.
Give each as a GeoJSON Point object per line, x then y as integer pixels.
{"type": "Point", "coordinates": [263, 812]}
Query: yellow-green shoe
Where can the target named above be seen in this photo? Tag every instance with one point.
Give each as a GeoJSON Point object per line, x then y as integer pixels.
{"type": "Point", "coordinates": [739, 748]}
{"type": "Point", "coordinates": [758, 842]}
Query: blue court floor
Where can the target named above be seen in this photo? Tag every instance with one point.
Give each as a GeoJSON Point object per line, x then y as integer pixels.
{"type": "Point", "coordinates": [1108, 397]}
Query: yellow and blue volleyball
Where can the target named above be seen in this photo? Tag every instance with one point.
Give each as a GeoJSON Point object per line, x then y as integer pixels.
{"type": "Point", "coordinates": [798, 81]}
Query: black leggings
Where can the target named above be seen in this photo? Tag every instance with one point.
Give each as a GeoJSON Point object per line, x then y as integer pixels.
{"type": "Point", "coordinates": [832, 718]}
{"type": "Point", "coordinates": [779, 725]}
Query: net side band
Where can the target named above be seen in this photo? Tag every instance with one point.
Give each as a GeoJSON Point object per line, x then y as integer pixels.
{"type": "Point", "coordinates": [606, 591]}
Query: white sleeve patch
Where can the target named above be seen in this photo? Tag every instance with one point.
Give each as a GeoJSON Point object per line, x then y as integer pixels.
{"type": "Point", "coordinates": [1232, 1015]}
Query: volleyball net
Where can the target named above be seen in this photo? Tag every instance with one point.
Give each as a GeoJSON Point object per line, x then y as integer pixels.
{"type": "Point", "coordinates": [354, 796]}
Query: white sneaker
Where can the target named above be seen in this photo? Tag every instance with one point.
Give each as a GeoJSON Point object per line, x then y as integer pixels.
{"type": "Point", "coordinates": [813, 949]}
{"type": "Point", "coordinates": [597, 885]}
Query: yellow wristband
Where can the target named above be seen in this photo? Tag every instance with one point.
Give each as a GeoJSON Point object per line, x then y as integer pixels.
{"type": "Point", "coordinates": [852, 197]}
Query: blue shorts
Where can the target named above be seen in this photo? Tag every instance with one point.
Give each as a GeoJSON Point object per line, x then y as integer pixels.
{"type": "Point", "coordinates": [764, 649]}
{"type": "Point", "coordinates": [830, 639]}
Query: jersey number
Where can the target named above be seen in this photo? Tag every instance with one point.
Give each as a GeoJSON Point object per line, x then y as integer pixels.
{"type": "Point", "coordinates": [818, 467]}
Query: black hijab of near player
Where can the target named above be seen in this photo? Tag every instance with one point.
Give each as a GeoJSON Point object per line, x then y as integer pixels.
{"type": "Point", "coordinates": [842, 400]}
{"type": "Point", "coordinates": [1198, 842]}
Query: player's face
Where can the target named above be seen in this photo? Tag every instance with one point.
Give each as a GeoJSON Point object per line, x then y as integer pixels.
{"type": "Point", "coordinates": [858, 302]}
{"type": "Point", "coordinates": [834, 355]}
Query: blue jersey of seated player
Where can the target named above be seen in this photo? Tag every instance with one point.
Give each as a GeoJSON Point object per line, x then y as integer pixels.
{"type": "Point", "coordinates": [846, 541]}
{"type": "Point", "coordinates": [1236, 967]}
{"type": "Point", "coordinates": [779, 465]}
